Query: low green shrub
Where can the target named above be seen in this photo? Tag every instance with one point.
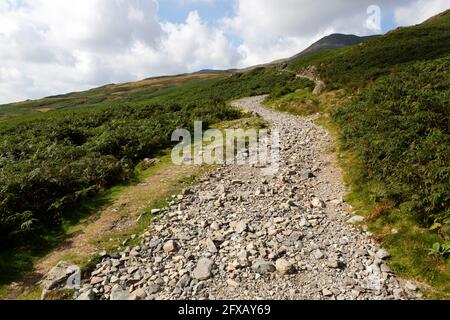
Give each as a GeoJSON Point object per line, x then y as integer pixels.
{"type": "Point", "coordinates": [399, 128]}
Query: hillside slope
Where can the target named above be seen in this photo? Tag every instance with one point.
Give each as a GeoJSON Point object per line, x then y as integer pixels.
{"type": "Point", "coordinates": [108, 94]}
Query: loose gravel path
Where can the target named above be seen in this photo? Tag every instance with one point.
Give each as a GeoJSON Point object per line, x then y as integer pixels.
{"type": "Point", "coordinates": [241, 235]}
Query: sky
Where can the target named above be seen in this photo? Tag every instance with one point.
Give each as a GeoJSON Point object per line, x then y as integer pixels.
{"type": "Point", "coordinates": [50, 47]}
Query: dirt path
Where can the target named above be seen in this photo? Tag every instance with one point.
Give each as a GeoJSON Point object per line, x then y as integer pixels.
{"type": "Point", "coordinates": [242, 235]}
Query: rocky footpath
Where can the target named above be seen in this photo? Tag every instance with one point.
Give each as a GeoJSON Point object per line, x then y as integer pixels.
{"type": "Point", "coordinates": [241, 235]}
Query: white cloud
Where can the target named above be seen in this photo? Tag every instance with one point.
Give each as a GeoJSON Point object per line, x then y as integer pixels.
{"type": "Point", "coordinates": [51, 46]}
{"type": "Point", "coordinates": [274, 29]}
{"type": "Point", "coordinates": [419, 11]}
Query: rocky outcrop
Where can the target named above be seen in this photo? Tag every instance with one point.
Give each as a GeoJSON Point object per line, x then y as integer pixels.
{"type": "Point", "coordinates": [310, 73]}
{"type": "Point", "coordinates": [64, 276]}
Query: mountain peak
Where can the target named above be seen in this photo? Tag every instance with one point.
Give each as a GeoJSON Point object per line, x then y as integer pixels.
{"type": "Point", "coordinates": [333, 41]}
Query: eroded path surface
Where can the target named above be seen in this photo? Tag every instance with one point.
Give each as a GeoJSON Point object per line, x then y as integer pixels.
{"type": "Point", "coordinates": [241, 235]}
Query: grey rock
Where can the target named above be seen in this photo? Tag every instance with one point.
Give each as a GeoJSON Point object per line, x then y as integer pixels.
{"type": "Point", "coordinates": [59, 276]}
{"type": "Point", "coordinates": [203, 269]}
{"type": "Point", "coordinates": [327, 293]}
{"type": "Point", "coordinates": [211, 245]}
{"type": "Point", "coordinates": [96, 280]}
{"type": "Point", "coordinates": [153, 288]}
{"type": "Point", "coordinates": [139, 294]}
{"type": "Point", "coordinates": [410, 286]}
{"type": "Point", "coordinates": [263, 267]}
{"type": "Point", "coordinates": [184, 281]}
{"type": "Point", "coordinates": [318, 254]}
{"type": "Point", "coordinates": [241, 227]}
{"type": "Point", "coordinates": [170, 246]}
{"type": "Point", "coordinates": [119, 294]}
{"type": "Point", "coordinates": [88, 295]}
{"type": "Point", "coordinates": [284, 267]}
{"type": "Point", "coordinates": [317, 203]}
{"type": "Point", "coordinates": [382, 254]}
{"type": "Point", "coordinates": [356, 220]}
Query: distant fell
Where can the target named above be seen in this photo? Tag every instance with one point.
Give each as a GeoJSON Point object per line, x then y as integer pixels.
{"type": "Point", "coordinates": [333, 41]}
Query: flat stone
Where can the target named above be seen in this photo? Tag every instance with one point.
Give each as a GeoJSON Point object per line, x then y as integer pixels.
{"type": "Point", "coordinates": [57, 277]}
{"type": "Point", "coordinates": [284, 267]}
{"type": "Point", "coordinates": [410, 286]}
{"type": "Point", "coordinates": [356, 220]}
{"type": "Point", "coordinates": [318, 254]}
{"type": "Point", "coordinates": [96, 280]}
{"type": "Point", "coordinates": [170, 246]}
{"type": "Point", "coordinates": [241, 227]}
{"type": "Point", "coordinates": [88, 295]}
{"type": "Point", "coordinates": [140, 294]}
{"type": "Point", "coordinates": [382, 254]}
{"type": "Point", "coordinates": [153, 288]}
{"type": "Point", "coordinates": [278, 220]}
{"type": "Point", "coordinates": [211, 246]}
{"type": "Point", "coordinates": [119, 294]}
{"type": "Point", "coordinates": [203, 269]}
{"type": "Point", "coordinates": [327, 293]}
{"type": "Point", "coordinates": [304, 223]}
{"type": "Point", "coordinates": [333, 263]}
{"type": "Point", "coordinates": [385, 268]}
{"type": "Point", "coordinates": [263, 267]}
{"type": "Point", "coordinates": [317, 203]}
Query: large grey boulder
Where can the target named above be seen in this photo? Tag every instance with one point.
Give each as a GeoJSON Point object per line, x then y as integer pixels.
{"type": "Point", "coordinates": [63, 276]}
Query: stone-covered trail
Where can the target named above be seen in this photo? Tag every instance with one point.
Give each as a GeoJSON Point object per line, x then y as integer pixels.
{"type": "Point", "coordinates": [241, 235]}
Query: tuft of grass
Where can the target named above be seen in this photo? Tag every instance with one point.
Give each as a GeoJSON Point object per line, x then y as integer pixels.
{"type": "Point", "coordinates": [301, 102]}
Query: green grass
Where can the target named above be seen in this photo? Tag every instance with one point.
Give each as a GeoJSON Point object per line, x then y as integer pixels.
{"type": "Point", "coordinates": [106, 95]}
{"type": "Point", "coordinates": [301, 102]}
{"type": "Point", "coordinates": [18, 262]}
{"type": "Point", "coordinates": [399, 129]}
